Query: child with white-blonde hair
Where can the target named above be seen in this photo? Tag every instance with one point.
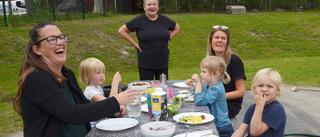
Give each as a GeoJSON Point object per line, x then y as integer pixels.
{"type": "Point", "coordinates": [267, 117]}
{"type": "Point", "coordinates": [92, 73]}
{"type": "Point", "coordinates": [212, 92]}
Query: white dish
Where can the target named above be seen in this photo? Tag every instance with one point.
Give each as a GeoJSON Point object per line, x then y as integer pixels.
{"type": "Point", "coordinates": [143, 99]}
{"type": "Point", "coordinates": [184, 91]}
{"type": "Point", "coordinates": [168, 132]}
{"type": "Point", "coordinates": [116, 124]}
{"type": "Point", "coordinates": [180, 85]}
{"type": "Point", "coordinates": [194, 134]}
{"type": "Point", "coordinates": [144, 108]}
{"type": "Point", "coordinates": [182, 95]}
{"type": "Point", "coordinates": [209, 117]}
{"type": "Point", "coordinates": [142, 86]}
{"type": "Point", "coordinates": [190, 99]}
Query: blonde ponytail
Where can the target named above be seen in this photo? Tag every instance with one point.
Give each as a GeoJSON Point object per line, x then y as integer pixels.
{"type": "Point", "coordinates": [226, 78]}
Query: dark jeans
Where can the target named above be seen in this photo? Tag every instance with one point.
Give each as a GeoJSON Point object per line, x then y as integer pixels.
{"type": "Point", "coordinates": [226, 131]}
{"type": "Point", "coordinates": [152, 74]}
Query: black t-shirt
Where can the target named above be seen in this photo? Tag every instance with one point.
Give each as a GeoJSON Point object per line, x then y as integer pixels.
{"type": "Point", "coordinates": [153, 39]}
{"type": "Point", "coordinates": [235, 70]}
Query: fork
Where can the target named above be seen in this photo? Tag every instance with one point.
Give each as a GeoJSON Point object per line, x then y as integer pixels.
{"type": "Point", "coordinates": [189, 95]}
{"type": "Point", "coordinates": [158, 128]}
{"type": "Point", "coordinates": [206, 134]}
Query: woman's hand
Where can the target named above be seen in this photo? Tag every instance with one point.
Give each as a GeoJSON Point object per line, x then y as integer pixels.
{"type": "Point", "coordinates": [123, 111]}
{"type": "Point", "coordinates": [137, 47]}
{"type": "Point", "coordinates": [127, 96]}
{"type": "Point", "coordinates": [124, 32]}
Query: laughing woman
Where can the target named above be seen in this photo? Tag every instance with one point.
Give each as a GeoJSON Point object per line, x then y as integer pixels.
{"type": "Point", "coordinates": [153, 33]}
{"type": "Point", "coordinates": [49, 98]}
{"type": "Point", "coordinates": [219, 45]}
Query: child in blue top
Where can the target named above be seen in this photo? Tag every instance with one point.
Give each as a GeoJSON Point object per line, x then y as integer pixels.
{"type": "Point", "coordinates": [267, 117]}
{"type": "Point", "coordinates": [212, 92]}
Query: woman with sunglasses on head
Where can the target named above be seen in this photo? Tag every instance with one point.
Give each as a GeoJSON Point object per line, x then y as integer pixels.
{"type": "Point", "coordinates": [153, 33]}
{"type": "Point", "coordinates": [219, 45]}
{"type": "Point", "coordinates": [49, 98]}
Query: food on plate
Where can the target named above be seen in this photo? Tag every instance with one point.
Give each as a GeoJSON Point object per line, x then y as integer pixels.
{"type": "Point", "coordinates": [140, 84]}
{"type": "Point", "coordinates": [177, 100]}
{"type": "Point", "coordinates": [144, 92]}
{"type": "Point", "coordinates": [173, 109]}
{"type": "Point", "coordinates": [191, 98]}
{"type": "Point", "coordinates": [183, 91]}
{"type": "Point", "coordinates": [192, 118]}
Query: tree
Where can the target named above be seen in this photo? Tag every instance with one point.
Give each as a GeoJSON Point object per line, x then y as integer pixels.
{"type": "Point", "coordinates": [186, 5]}
{"type": "Point", "coordinates": [260, 4]}
{"type": "Point", "coordinates": [178, 5]}
{"type": "Point", "coordinates": [270, 4]}
{"type": "Point", "coordinates": [9, 7]}
{"type": "Point", "coordinates": [29, 7]}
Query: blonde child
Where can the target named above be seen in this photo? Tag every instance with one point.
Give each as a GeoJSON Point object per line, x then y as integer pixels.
{"type": "Point", "coordinates": [212, 92]}
{"type": "Point", "coordinates": [92, 73]}
{"type": "Point", "coordinates": [267, 117]}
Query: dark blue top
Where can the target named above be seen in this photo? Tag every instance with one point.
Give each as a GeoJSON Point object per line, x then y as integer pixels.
{"type": "Point", "coordinates": [273, 115]}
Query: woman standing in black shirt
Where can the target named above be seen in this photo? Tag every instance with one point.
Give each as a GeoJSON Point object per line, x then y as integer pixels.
{"type": "Point", "coordinates": [153, 33]}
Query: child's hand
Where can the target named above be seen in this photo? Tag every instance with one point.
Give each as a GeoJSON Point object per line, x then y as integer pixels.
{"type": "Point", "coordinates": [196, 78]}
{"type": "Point", "coordinates": [260, 99]}
{"type": "Point", "coordinates": [117, 77]}
{"type": "Point", "coordinates": [189, 83]}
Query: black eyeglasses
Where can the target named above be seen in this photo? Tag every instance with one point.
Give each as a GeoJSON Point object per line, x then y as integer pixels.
{"type": "Point", "coordinates": [53, 39]}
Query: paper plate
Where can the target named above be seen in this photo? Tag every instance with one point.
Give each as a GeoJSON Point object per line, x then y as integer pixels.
{"type": "Point", "coordinates": [209, 117]}
{"type": "Point", "coordinates": [180, 85]}
{"type": "Point", "coordinates": [116, 124]}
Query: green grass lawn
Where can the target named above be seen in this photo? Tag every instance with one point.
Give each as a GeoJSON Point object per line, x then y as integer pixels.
{"type": "Point", "coordinates": [289, 42]}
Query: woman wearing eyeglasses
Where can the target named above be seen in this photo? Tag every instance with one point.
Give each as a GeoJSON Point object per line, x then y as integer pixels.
{"type": "Point", "coordinates": [153, 33]}
{"type": "Point", "coordinates": [219, 45]}
{"type": "Point", "coordinates": [49, 98]}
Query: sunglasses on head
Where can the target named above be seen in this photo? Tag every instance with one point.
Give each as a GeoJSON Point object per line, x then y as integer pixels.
{"type": "Point", "coordinates": [217, 27]}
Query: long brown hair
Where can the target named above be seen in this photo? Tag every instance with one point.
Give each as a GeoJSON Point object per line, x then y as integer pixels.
{"type": "Point", "coordinates": [31, 61]}
{"type": "Point", "coordinates": [228, 52]}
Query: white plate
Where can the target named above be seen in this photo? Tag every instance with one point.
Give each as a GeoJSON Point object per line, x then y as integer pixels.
{"type": "Point", "coordinates": [190, 99]}
{"type": "Point", "coordinates": [143, 99]}
{"type": "Point", "coordinates": [194, 134]}
{"type": "Point", "coordinates": [142, 87]}
{"type": "Point", "coordinates": [209, 117]}
{"type": "Point", "coordinates": [144, 108]}
{"type": "Point", "coordinates": [182, 95]}
{"type": "Point", "coordinates": [180, 85]}
{"type": "Point", "coordinates": [116, 124]}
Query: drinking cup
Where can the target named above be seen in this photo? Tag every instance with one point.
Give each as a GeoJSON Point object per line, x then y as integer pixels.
{"type": "Point", "coordinates": [170, 92]}
{"type": "Point", "coordinates": [134, 108]}
{"type": "Point", "coordinates": [163, 79]}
